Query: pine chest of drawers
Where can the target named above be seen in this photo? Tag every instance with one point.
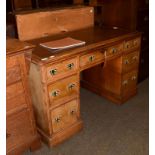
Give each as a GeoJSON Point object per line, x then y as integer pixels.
{"type": "Point", "coordinates": [21, 130]}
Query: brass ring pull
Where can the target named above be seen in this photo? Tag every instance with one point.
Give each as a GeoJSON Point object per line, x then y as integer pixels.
{"type": "Point", "coordinates": [55, 93]}
{"type": "Point", "coordinates": [53, 71]}
{"type": "Point", "coordinates": [114, 50]}
{"type": "Point", "coordinates": [91, 58]}
{"type": "Point", "coordinates": [70, 66]}
{"type": "Point", "coordinates": [133, 77]}
{"type": "Point", "coordinates": [126, 61]}
{"type": "Point", "coordinates": [57, 119]}
{"type": "Point", "coordinates": [127, 45]}
{"type": "Point", "coordinates": [71, 86]}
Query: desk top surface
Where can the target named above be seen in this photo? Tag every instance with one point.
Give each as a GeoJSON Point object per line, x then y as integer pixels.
{"type": "Point", "coordinates": [93, 36]}
{"type": "Point", "coordinates": [14, 46]}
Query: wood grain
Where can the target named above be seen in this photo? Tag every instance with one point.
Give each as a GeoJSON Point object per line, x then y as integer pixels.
{"type": "Point", "coordinates": [20, 124]}
{"type": "Point", "coordinates": [53, 22]}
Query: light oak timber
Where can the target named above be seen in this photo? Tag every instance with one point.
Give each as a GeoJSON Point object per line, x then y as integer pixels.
{"type": "Point", "coordinates": [101, 62]}
{"type": "Point", "coordinates": [53, 21]}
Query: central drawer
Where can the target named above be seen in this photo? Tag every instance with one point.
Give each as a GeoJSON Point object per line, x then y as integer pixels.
{"type": "Point", "coordinates": [63, 89]}
{"type": "Point", "coordinates": [91, 59]}
{"type": "Point", "coordinates": [65, 115]}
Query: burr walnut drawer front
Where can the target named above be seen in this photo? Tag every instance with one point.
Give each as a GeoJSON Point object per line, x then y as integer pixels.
{"type": "Point", "coordinates": [14, 90]}
{"type": "Point", "coordinates": [114, 50]}
{"type": "Point", "coordinates": [130, 61]}
{"type": "Point", "coordinates": [60, 69]}
{"type": "Point", "coordinates": [129, 81]}
{"type": "Point", "coordinates": [132, 44]}
{"type": "Point", "coordinates": [65, 115]}
{"type": "Point", "coordinates": [65, 88]}
{"type": "Point", "coordinates": [18, 129]}
{"type": "Point", "coordinates": [91, 58]}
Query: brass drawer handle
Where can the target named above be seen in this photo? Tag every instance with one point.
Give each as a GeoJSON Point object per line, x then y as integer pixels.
{"type": "Point", "coordinates": [125, 82]}
{"type": "Point", "coordinates": [133, 78]}
{"type": "Point", "coordinates": [57, 119]}
{"type": "Point", "coordinates": [91, 58]}
{"type": "Point", "coordinates": [70, 66]}
{"type": "Point", "coordinates": [127, 45]}
{"type": "Point", "coordinates": [71, 86]}
{"type": "Point", "coordinates": [53, 71]}
{"type": "Point", "coordinates": [55, 93]}
{"type": "Point", "coordinates": [114, 50]}
{"type": "Point", "coordinates": [126, 62]}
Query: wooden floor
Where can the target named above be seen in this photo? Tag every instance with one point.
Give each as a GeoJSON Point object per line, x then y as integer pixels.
{"type": "Point", "coordinates": [109, 129]}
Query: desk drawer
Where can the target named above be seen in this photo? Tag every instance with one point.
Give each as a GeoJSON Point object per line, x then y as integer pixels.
{"type": "Point", "coordinates": [15, 104]}
{"type": "Point", "coordinates": [132, 44]}
{"type": "Point", "coordinates": [62, 89]}
{"type": "Point", "coordinates": [19, 129]}
{"type": "Point", "coordinates": [65, 115]}
{"type": "Point", "coordinates": [114, 50]}
{"type": "Point", "coordinates": [12, 61]}
{"type": "Point", "coordinates": [91, 58]}
{"type": "Point", "coordinates": [13, 74]}
{"type": "Point", "coordinates": [130, 61]}
{"type": "Point", "coordinates": [59, 70]}
{"type": "Point", "coordinates": [129, 82]}
{"type": "Point", "coordinates": [14, 90]}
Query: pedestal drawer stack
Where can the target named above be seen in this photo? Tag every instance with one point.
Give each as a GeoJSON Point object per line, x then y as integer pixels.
{"type": "Point", "coordinates": [55, 88]}
{"type": "Point", "coordinates": [116, 79]}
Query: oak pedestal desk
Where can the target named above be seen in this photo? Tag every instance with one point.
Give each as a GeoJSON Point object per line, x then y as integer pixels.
{"type": "Point", "coordinates": [109, 65]}
{"type": "Point", "coordinates": [21, 131]}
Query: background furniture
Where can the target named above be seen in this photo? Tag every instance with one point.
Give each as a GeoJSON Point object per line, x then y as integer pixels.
{"type": "Point", "coordinates": [128, 14]}
{"type": "Point", "coordinates": [143, 26]}
{"type": "Point", "coordinates": [20, 125]}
